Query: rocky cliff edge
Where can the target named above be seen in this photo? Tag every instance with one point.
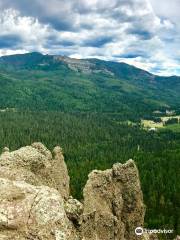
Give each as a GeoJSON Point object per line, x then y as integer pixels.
{"type": "Point", "coordinates": [35, 202]}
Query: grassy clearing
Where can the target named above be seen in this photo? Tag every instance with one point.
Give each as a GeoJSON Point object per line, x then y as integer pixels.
{"type": "Point", "coordinates": [147, 124]}
{"type": "Point", "coordinates": [151, 124]}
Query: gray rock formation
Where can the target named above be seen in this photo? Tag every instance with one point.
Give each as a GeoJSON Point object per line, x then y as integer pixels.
{"type": "Point", "coordinates": [31, 212]}
{"type": "Point", "coordinates": [82, 65]}
{"type": "Point", "coordinates": [35, 201]}
{"type": "Point", "coordinates": [113, 204]}
{"type": "Point", "coordinates": [35, 165]}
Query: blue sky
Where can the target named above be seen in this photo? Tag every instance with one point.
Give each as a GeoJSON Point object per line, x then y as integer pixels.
{"type": "Point", "coordinates": [145, 33]}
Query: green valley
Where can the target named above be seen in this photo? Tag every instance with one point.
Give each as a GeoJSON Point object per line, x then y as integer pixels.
{"type": "Point", "coordinates": [93, 109]}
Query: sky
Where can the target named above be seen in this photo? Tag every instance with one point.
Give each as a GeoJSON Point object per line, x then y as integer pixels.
{"type": "Point", "coordinates": [144, 33]}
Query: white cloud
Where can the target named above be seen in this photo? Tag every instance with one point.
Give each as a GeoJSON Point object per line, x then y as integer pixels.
{"type": "Point", "coordinates": [31, 33]}
{"type": "Point", "coordinates": [4, 52]}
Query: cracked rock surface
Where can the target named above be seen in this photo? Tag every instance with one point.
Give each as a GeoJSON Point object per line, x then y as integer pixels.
{"type": "Point", "coordinates": [26, 209]}
{"type": "Point", "coordinates": [35, 203]}
{"type": "Point", "coordinates": [36, 165]}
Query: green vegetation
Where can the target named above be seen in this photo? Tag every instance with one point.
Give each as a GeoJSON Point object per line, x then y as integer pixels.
{"type": "Point", "coordinates": [174, 127]}
{"type": "Point", "coordinates": [95, 115]}
{"type": "Point", "coordinates": [40, 82]}
{"type": "Point", "coordinates": [96, 141]}
{"type": "Point", "coordinates": [172, 121]}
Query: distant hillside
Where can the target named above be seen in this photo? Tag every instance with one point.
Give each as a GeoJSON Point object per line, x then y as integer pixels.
{"type": "Point", "coordinates": [43, 82]}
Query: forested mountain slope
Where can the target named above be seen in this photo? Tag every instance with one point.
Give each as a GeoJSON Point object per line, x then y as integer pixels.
{"type": "Point", "coordinates": [44, 82]}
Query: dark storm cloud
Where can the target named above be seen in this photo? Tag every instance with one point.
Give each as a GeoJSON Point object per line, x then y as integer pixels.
{"type": "Point", "coordinates": [132, 55]}
{"type": "Point", "coordinates": [98, 42]}
{"type": "Point", "coordinates": [10, 41]}
{"type": "Point", "coordinates": [141, 34]}
{"type": "Point", "coordinates": [53, 41]}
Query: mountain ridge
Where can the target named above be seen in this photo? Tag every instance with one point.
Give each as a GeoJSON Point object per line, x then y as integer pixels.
{"type": "Point", "coordinates": [48, 82]}
{"type": "Point", "coordinates": [63, 58]}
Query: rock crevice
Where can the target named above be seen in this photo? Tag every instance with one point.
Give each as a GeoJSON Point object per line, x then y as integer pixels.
{"type": "Point", "coordinates": [35, 201]}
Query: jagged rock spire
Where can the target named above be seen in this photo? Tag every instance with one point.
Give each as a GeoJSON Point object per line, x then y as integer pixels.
{"type": "Point", "coordinates": [35, 201]}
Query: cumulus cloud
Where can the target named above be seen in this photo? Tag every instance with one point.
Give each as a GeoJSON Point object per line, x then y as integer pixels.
{"type": "Point", "coordinates": [138, 32]}
{"type": "Point", "coordinates": [21, 32]}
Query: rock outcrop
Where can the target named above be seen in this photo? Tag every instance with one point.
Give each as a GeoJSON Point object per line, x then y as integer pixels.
{"type": "Point", "coordinates": [35, 165]}
{"type": "Point", "coordinates": [84, 66]}
{"type": "Point", "coordinates": [113, 204]}
{"type": "Point", "coordinates": [35, 203]}
{"type": "Point", "coordinates": [32, 212]}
